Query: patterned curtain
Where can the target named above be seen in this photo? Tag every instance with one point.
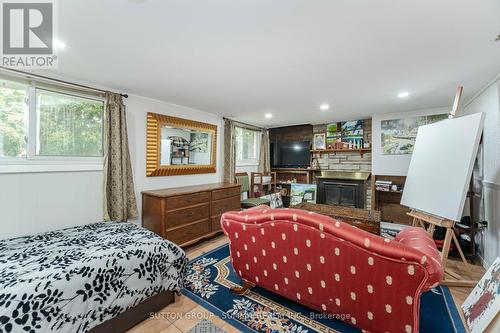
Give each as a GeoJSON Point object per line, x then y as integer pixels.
{"type": "Point", "coordinates": [119, 195]}
{"type": "Point", "coordinates": [229, 150]}
{"type": "Point", "coordinates": [264, 156]}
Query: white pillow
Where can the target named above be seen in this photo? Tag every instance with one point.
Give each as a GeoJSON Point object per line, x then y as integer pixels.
{"type": "Point", "coordinates": [275, 200]}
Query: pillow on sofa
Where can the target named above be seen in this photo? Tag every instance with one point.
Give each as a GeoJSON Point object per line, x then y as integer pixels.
{"type": "Point", "coordinates": [275, 200]}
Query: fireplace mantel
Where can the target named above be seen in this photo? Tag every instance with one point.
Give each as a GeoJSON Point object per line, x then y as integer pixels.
{"type": "Point", "coordinates": [344, 175]}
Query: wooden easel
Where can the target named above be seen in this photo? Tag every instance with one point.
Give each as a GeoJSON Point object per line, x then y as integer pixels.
{"type": "Point", "coordinates": [421, 218]}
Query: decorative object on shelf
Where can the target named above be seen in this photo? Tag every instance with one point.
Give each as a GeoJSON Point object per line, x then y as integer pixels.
{"type": "Point", "coordinates": [398, 135]}
{"type": "Point", "coordinates": [483, 303]}
{"type": "Point", "coordinates": [344, 136]}
{"type": "Point", "coordinates": [352, 133]}
{"type": "Point", "coordinates": [361, 151]}
{"type": "Point", "coordinates": [314, 163]}
{"type": "Point", "coordinates": [333, 134]}
{"type": "Point", "coordinates": [319, 141]}
{"type": "Point", "coordinates": [177, 146]}
{"type": "Point", "coordinates": [303, 193]}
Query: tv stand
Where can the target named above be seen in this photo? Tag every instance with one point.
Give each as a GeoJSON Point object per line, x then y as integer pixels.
{"type": "Point", "coordinates": [285, 175]}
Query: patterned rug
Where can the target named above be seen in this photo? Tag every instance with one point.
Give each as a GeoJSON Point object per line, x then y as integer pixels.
{"type": "Point", "coordinates": [211, 275]}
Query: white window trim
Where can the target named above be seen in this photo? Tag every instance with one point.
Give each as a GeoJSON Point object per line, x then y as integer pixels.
{"type": "Point", "coordinates": [33, 163]}
{"type": "Point", "coordinates": [243, 163]}
{"type": "Point", "coordinates": [52, 167]}
{"type": "Point", "coordinates": [250, 161]}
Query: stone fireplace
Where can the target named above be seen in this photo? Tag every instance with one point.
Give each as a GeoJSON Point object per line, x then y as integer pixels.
{"type": "Point", "coordinates": [342, 188]}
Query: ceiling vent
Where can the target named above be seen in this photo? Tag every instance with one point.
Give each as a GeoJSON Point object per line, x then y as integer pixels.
{"type": "Point", "coordinates": [497, 39]}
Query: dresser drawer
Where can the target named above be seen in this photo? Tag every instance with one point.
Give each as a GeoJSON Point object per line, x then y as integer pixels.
{"type": "Point", "coordinates": [225, 193]}
{"type": "Point", "coordinates": [186, 215]}
{"type": "Point", "coordinates": [216, 223]}
{"type": "Point", "coordinates": [189, 232]}
{"type": "Point", "coordinates": [225, 205]}
{"type": "Point", "coordinates": [187, 200]}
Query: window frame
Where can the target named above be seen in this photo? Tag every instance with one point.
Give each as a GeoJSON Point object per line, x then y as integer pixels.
{"type": "Point", "coordinates": [40, 163]}
{"type": "Point", "coordinates": [249, 161]}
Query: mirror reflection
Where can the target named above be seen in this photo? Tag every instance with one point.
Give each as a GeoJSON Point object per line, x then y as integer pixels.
{"type": "Point", "coordinates": [182, 146]}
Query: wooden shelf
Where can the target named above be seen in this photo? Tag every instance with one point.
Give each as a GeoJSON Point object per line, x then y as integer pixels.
{"type": "Point", "coordinates": [389, 204]}
{"type": "Point", "coordinates": [361, 151]}
{"type": "Point", "coordinates": [396, 192]}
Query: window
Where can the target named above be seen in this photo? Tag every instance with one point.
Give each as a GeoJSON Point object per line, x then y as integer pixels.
{"type": "Point", "coordinates": [247, 146]}
{"type": "Point", "coordinates": [68, 125]}
{"type": "Point", "coordinates": [13, 119]}
{"type": "Point", "coordinates": [51, 125]}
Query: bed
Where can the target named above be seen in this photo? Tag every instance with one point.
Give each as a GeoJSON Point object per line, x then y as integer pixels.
{"type": "Point", "coordinates": [87, 278]}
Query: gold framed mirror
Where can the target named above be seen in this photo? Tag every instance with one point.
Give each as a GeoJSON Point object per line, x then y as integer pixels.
{"type": "Point", "coordinates": [177, 146]}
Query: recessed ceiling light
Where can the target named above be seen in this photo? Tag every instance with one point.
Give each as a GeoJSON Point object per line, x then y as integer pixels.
{"type": "Point", "coordinates": [324, 107]}
{"type": "Point", "coordinates": [268, 115]}
{"type": "Point", "coordinates": [58, 44]}
{"type": "Point", "coordinates": [497, 39]}
{"type": "Point", "coordinates": [403, 94]}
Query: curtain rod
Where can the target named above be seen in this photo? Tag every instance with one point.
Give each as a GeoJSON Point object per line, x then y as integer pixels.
{"type": "Point", "coordinates": [30, 75]}
{"type": "Point", "coordinates": [242, 123]}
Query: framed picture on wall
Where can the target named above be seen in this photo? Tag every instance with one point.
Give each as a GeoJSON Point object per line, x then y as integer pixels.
{"type": "Point", "coordinates": [319, 141]}
{"type": "Point", "coordinates": [398, 135]}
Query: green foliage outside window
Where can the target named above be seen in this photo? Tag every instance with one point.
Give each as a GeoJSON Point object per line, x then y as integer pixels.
{"type": "Point", "coordinates": [67, 126]}
{"type": "Point", "coordinates": [13, 115]}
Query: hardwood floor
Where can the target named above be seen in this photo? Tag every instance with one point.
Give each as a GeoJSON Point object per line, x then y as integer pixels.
{"type": "Point", "coordinates": [184, 314]}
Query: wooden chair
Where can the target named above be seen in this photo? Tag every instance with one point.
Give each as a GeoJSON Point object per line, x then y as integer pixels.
{"type": "Point", "coordinates": [243, 179]}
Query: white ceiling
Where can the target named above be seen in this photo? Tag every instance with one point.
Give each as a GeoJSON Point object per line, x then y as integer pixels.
{"type": "Point", "coordinates": [244, 58]}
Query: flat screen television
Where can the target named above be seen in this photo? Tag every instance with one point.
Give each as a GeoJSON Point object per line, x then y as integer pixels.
{"type": "Point", "coordinates": [295, 154]}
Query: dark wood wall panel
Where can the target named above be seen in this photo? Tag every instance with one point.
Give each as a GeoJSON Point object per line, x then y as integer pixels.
{"type": "Point", "coordinates": [291, 133]}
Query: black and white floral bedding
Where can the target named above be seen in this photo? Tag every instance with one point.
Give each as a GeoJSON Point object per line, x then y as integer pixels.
{"type": "Point", "coordinates": [74, 279]}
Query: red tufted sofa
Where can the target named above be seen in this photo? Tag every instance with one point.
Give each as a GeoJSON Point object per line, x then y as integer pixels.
{"type": "Point", "coordinates": [333, 267]}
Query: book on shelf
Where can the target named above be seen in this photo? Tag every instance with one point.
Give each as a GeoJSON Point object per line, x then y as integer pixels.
{"type": "Point", "coordinates": [383, 188]}
{"type": "Point", "coordinates": [383, 182]}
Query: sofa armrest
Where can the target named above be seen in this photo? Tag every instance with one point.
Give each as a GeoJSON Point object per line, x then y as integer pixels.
{"type": "Point", "coordinates": [420, 240]}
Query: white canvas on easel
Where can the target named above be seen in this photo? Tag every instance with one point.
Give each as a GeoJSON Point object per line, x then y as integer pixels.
{"type": "Point", "coordinates": [441, 166]}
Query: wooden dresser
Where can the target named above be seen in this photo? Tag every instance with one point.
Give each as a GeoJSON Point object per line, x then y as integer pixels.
{"type": "Point", "coordinates": [184, 215]}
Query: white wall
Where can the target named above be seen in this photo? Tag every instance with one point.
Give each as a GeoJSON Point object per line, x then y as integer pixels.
{"type": "Point", "coordinates": [394, 165]}
{"type": "Point", "coordinates": [489, 102]}
{"type": "Point", "coordinates": [137, 109]}
{"type": "Point", "coordinates": [44, 201]}
{"type": "Point", "coordinates": [37, 202]}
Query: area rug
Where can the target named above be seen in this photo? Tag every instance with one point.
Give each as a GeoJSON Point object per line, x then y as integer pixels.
{"type": "Point", "coordinates": [211, 275]}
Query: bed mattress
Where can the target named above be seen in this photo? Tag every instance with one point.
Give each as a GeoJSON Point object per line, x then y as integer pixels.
{"type": "Point", "coordinates": [74, 279]}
